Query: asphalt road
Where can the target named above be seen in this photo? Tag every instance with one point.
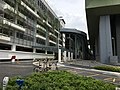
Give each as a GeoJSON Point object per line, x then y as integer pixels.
{"type": "Point", "coordinates": [18, 69]}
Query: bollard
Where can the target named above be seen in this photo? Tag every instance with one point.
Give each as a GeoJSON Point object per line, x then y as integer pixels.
{"type": "Point", "coordinates": [5, 82]}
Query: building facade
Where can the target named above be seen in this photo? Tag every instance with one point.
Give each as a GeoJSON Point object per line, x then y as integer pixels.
{"type": "Point", "coordinates": [28, 29]}
{"type": "Point", "coordinates": [74, 44]}
{"type": "Point", "coordinates": [103, 17]}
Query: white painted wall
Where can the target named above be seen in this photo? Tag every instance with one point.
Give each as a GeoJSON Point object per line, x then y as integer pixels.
{"type": "Point", "coordinates": [23, 55]}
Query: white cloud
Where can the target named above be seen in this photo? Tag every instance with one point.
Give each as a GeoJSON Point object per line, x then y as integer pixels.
{"type": "Point", "coordinates": [73, 11]}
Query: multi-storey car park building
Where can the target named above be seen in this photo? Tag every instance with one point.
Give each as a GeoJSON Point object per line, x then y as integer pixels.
{"type": "Point", "coordinates": [103, 17]}
{"type": "Point", "coordinates": [74, 44]}
{"type": "Point", "coordinates": [28, 29]}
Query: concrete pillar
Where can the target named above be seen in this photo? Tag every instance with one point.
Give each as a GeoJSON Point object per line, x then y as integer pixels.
{"type": "Point", "coordinates": [45, 51]}
{"type": "Point", "coordinates": [68, 56]}
{"type": "Point", "coordinates": [53, 53]}
{"type": "Point", "coordinates": [75, 47]}
{"type": "Point", "coordinates": [105, 39]}
{"type": "Point", "coordinates": [64, 56]}
{"type": "Point", "coordinates": [16, 9]}
{"type": "Point", "coordinates": [117, 36]}
{"type": "Point", "coordinates": [34, 50]}
{"type": "Point", "coordinates": [59, 55]}
{"type": "Point", "coordinates": [35, 32]}
{"type": "Point", "coordinates": [47, 40]}
{"type": "Point", "coordinates": [13, 47]}
{"type": "Point", "coordinates": [71, 56]}
{"type": "Point", "coordinates": [97, 55]}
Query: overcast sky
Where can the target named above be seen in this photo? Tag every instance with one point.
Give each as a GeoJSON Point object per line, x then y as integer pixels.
{"type": "Point", "coordinates": [73, 11]}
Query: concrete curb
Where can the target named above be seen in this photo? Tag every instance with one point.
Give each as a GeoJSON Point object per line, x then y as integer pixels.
{"type": "Point", "coordinates": [9, 62]}
{"type": "Point", "coordinates": [86, 69]}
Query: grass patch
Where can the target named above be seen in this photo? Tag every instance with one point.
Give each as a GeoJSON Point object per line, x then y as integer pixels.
{"type": "Point", "coordinates": [59, 80]}
{"type": "Point", "coordinates": [108, 68]}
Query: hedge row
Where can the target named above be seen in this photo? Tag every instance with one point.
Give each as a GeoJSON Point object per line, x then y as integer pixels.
{"type": "Point", "coordinates": [108, 68]}
{"type": "Point", "coordinates": [59, 80]}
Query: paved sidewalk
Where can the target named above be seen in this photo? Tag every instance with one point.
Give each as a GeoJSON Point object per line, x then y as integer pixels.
{"type": "Point", "coordinates": [107, 76]}
{"type": "Point", "coordinates": [85, 68]}
{"type": "Point", "coordinates": [22, 68]}
{"type": "Point", "coordinates": [85, 63]}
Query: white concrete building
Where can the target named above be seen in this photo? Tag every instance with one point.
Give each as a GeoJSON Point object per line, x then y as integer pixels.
{"type": "Point", "coordinates": [28, 29]}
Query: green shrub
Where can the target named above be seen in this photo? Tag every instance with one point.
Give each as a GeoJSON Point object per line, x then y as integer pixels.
{"type": "Point", "coordinates": [59, 80]}
{"type": "Point", "coordinates": [108, 68]}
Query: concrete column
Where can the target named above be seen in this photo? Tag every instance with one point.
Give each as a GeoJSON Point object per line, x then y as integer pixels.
{"type": "Point", "coordinates": [16, 8]}
{"type": "Point", "coordinates": [64, 54]}
{"type": "Point", "coordinates": [68, 56]}
{"type": "Point", "coordinates": [97, 48]}
{"type": "Point", "coordinates": [35, 32]}
{"type": "Point", "coordinates": [47, 40]}
{"type": "Point", "coordinates": [118, 36]}
{"type": "Point", "coordinates": [75, 47]}
{"type": "Point", "coordinates": [53, 53]}
{"type": "Point", "coordinates": [45, 51]}
{"type": "Point", "coordinates": [59, 55]}
{"type": "Point", "coordinates": [34, 50]}
{"type": "Point", "coordinates": [105, 39]}
{"type": "Point", "coordinates": [13, 47]}
{"type": "Point", "coordinates": [72, 56]}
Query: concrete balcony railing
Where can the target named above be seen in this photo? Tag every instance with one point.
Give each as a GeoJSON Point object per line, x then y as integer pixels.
{"type": "Point", "coordinates": [4, 38]}
{"type": "Point", "coordinates": [56, 31]}
{"type": "Point", "coordinates": [8, 7]}
{"type": "Point", "coordinates": [46, 22]}
{"type": "Point", "coordinates": [52, 41]}
{"type": "Point", "coordinates": [29, 9]}
{"type": "Point", "coordinates": [53, 35]}
{"type": "Point", "coordinates": [38, 26]}
{"type": "Point", "coordinates": [6, 22]}
{"type": "Point", "coordinates": [21, 15]}
{"type": "Point", "coordinates": [38, 36]}
{"type": "Point", "coordinates": [60, 45]}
